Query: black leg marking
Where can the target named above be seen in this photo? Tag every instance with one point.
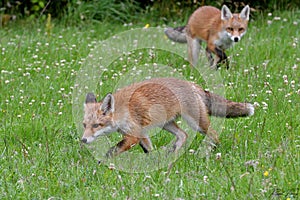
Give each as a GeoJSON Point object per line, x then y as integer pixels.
{"type": "Point", "coordinates": [144, 148]}
{"type": "Point", "coordinates": [223, 58]}
{"type": "Point", "coordinates": [111, 152]}
{"type": "Point", "coordinates": [209, 56]}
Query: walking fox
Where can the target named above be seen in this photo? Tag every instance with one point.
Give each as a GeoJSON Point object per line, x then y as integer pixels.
{"type": "Point", "coordinates": [219, 29]}
{"type": "Point", "coordinates": [157, 102]}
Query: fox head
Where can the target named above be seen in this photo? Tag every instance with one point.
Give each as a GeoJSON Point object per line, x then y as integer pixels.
{"type": "Point", "coordinates": [98, 117]}
{"type": "Point", "coordinates": [235, 25]}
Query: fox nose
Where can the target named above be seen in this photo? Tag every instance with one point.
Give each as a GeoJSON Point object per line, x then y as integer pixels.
{"type": "Point", "coordinates": [84, 140]}
{"type": "Point", "coordinates": [236, 39]}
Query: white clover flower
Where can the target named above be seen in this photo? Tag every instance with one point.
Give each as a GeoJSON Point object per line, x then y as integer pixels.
{"type": "Point", "coordinates": [269, 92]}
{"type": "Point", "coordinates": [191, 151]}
{"type": "Point", "coordinates": [284, 76]}
{"type": "Point", "coordinates": [218, 156]}
{"type": "Point", "coordinates": [111, 166]}
{"type": "Point", "coordinates": [205, 179]}
{"type": "Point", "coordinates": [265, 105]}
{"type": "Point", "coordinates": [277, 18]}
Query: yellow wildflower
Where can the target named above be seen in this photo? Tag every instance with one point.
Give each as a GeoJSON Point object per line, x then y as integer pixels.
{"type": "Point", "coordinates": [266, 173]}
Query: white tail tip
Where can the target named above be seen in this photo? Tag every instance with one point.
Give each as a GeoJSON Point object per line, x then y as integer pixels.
{"type": "Point", "coordinates": [251, 109]}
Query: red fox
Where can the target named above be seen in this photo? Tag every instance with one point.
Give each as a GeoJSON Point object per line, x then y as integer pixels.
{"type": "Point", "coordinates": [156, 102]}
{"type": "Point", "coordinates": [219, 29]}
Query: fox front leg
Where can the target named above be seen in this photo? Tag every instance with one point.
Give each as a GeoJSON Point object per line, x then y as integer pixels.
{"type": "Point", "coordinates": [146, 144]}
{"type": "Point", "coordinates": [209, 56]}
{"type": "Point", "coordinates": [221, 58]}
{"type": "Point", "coordinates": [124, 145]}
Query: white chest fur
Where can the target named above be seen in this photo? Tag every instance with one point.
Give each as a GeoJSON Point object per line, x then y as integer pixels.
{"type": "Point", "coordinates": [224, 41]}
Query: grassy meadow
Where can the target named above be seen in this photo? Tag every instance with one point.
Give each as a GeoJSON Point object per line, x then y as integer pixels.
{"type": "Point", "coordinates": [41, 156]}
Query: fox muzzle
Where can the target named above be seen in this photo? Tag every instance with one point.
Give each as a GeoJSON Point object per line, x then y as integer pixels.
{"type": "Point", "coordinates": [84, 140]}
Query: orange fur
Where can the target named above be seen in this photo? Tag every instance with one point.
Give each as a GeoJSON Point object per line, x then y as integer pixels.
{"type": "Point", "coordinates": [156, 103]}
{"type": "Point", "coordinates": [219, 29]}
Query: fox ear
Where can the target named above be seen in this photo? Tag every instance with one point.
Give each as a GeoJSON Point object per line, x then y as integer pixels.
{"type": "Point", "coordinates": [225, 13]}
{"type": "Point", "coordinates": [108, 104]}
{"type": "Point", "coordinates": [90, 98]}
{"type": "Point", "coordinates": [245, 13]}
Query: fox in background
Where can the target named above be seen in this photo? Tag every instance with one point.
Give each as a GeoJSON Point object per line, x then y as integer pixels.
{"type": "Point", "coordinates": [156, 102]}
{"type": "Point", "coordinates": [219, 29]}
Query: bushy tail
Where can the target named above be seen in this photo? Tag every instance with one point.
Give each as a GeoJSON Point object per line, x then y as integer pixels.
{"type": "Point", "coordinates": [177, 34]}
{"type": "Point", "coordinates": [221, 107]}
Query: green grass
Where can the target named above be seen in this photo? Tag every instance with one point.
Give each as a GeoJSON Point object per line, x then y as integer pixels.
{"type": "Point", "coordinates": [41, 156]}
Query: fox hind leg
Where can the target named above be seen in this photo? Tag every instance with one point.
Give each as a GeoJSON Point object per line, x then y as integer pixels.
{"type": "Point", "coordinates": [213, 135]}
{"type": "Point", "coordinates": [193, 50]}
{"type": "Point", "coordinates": [181, 136]}
{"type": "Point", "coordinates": [202, 125]}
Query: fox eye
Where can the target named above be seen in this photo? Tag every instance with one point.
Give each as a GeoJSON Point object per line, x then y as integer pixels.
{"type": "Point", "coordinates": [241, 29]}
{"type": "Point", "coordinates": [96, 125]}
{"type": "Point", "coordinates": [230, 29]}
